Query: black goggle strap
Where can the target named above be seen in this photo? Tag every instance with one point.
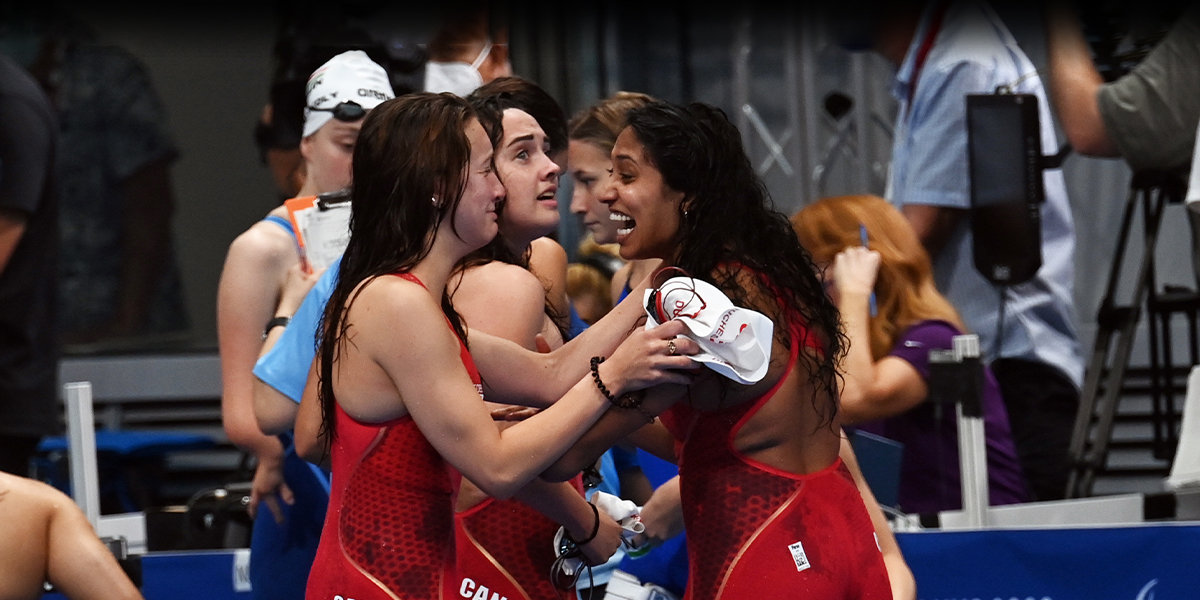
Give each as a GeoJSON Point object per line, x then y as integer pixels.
{"type": "Point", "coordinates": [348, 111]}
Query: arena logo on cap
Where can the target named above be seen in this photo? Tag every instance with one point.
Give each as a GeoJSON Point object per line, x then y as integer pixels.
{"type": "Point", "coordinates": [369, 93]}
{"type": "Point", "coordinates": [314, 81]}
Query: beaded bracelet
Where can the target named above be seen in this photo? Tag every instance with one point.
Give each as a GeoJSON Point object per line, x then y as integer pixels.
{"type": "Point", "coordinates": [596, 360]}
{"type": "Point", "coordinates": [630, 400]}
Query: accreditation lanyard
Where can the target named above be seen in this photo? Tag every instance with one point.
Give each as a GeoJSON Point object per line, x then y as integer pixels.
{"type": "Point", "coordinates": [935, 27]}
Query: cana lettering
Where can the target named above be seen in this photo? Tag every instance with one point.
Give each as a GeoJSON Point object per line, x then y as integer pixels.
{"type": "Point", "coordinates": [469, 589]}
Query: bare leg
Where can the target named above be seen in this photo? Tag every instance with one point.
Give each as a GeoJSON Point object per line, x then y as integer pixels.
{"type": "Point", "coordinates": [45, 537]}
{"type": "Point", "coordinates": [904, 585]}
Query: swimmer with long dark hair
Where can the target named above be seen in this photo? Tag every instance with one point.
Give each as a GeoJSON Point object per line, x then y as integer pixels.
{"type": "Point", "coordinates": [770, 508]}
{"type": "Point", "coordinates": [399, 395]}
{"type": "Point", "coordinates": [497, 291]}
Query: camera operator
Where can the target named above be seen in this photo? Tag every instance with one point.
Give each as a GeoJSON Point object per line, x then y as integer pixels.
{"type": "Point", "coordinates": [1148, 116]}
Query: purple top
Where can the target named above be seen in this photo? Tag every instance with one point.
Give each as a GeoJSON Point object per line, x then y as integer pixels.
{"type": "Point", "coordinates": [929, 472]}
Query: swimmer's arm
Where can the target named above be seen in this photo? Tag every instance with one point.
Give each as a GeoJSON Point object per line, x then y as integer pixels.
{"type": "Point", "coordinates": [247, 297]}
{"type": "Point", "coordinates": [311, 445]}
{"type": "Point", "coordinates": [548, 262]}
{"type": "Point", "coordinates": [655, 439]}
{"type": "Point", "coordinates": [563, 504]}
{"type": "Point", "coordinates": [423, 362]}
{"type": "Point", "coordinates": [615, 425]}
{"type": "Point", "coordinates": [514, 375]}
{"type": "Point", "coordinates": [663, 513]}
{"type": "Point", "coordinates": [904, 585]}
{"type": "Point", "coordinates": [249, 293]}
{"type": "Point", "coordinates": [274, 410]}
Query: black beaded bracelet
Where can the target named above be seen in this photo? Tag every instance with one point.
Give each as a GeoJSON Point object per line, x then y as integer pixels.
{"type": "Point", "coordinates": [630, 400]}
{"type": "Point", "coordinates": [596, 360]}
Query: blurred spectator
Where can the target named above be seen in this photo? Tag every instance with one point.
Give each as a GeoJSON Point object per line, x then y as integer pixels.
{"type": "Point", "coordinates": [589, 280]}
{"type": "Point", "coordinates": [117, 270]}
{"type": "Point", "coordinates": [1147, 116]}
{"type": "Point", "coordinates": [307, 35]}
{"type": "Point", "coordinates": [886, 385]}
{"type": "Point", "coordinates": [469, 49]}
{"type": "Point", "coordinates": [944, 51]}
{"type": "Point", "coordinates": [28, 244]}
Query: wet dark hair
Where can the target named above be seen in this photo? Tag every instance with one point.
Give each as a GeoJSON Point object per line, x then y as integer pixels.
{"type": "Point", "coordinates": [410, 149]}
{"type": "Point", "coordinates": [517, 92]}
{"type": "Point", "coordinates": [730, 225]}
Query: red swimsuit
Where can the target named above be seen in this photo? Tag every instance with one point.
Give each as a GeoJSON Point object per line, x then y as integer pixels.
{"type": "Point", "coordinates": [508, 547]}
{"type": "Point", "coordinates": [390, 531]}
{"type": "Point", "coordinates": [755, 531]}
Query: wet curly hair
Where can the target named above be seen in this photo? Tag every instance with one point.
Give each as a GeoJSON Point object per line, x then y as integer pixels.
{"type": "Point", "coordinates": [729, 226]}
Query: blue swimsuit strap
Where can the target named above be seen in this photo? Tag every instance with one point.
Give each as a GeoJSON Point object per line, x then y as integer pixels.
{"type": "Point", "coordinates": [282, 222]}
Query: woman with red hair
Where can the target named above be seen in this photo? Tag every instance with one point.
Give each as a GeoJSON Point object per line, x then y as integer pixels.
{"type": "Point", "coordinates": [886, 369]}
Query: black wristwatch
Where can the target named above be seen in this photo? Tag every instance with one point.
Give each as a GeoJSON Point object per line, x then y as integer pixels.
{"type": "Point", "coordinates": [276, 322]}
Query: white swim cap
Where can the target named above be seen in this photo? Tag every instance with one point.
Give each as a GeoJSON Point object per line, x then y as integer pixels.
{"type": "Point", "coordinates": [348, 77]}
{"type": "Point", "coordinates": [734, 341]}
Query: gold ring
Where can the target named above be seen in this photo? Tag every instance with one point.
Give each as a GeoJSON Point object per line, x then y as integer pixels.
{"type": "Point", "coordinates": [671, 347]}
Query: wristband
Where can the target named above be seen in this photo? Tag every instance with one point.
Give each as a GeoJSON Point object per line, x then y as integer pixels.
{"type": "Point", "coordinates": [595, 529]}
{"type": "Point", "coordinates": [276, 322]}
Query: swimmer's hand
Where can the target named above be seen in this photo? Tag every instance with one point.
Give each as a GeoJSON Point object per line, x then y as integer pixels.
{"type": "Point", "coordinates": [296, 286]}
{"type": "Point", "coordinates": [604, 545]}
{"type": "Point", "coordinates": [663, 514]}
{"type": "Point", "coordinates": [650, 357]}
{"type": "Point", "coordinates": [514, 413]}
{"type": "Point", "coordinates": [269, 488]}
